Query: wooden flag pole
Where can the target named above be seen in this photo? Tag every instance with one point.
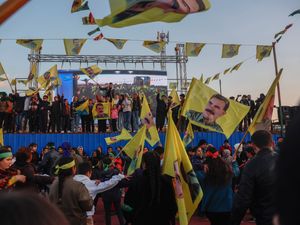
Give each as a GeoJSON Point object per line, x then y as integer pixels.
{"type": "Point", "coordinates": [9, 7]}
{"type": "Point", "coordinates": [236, 150]}
{"type": "Point", "coordinates": [278, 89]}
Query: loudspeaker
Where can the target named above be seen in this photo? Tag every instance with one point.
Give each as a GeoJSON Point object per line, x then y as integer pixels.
{"type": "Point", "coordinates": [286, 111]}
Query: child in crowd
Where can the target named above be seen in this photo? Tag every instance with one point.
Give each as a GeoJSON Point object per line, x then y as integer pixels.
{"type": "Point", "coordinates": [114, 117]}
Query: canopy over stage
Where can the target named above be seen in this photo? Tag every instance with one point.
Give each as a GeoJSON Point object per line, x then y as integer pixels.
{"type": "Point", "coordinates": [91, 141]}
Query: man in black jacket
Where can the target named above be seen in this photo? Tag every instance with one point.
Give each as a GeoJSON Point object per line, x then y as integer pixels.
{"type": "Point", "coordinates": [161, 110]}
{"type": "Point", "coordinates": [257, 185]}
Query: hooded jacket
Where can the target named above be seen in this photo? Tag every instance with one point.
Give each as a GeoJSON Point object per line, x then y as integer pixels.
{"type": "Point", "coordinates": [95, 189]}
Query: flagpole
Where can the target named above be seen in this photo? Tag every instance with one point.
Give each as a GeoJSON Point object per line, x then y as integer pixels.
{"type": "Point", "coordinates": [278, 89]}
{"type": "Point", "coordinates": [220, 83]}
{"type": "Point", "coordinates": [243, 138]}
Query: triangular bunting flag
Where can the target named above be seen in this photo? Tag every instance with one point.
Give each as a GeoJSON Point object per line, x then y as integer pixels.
{"type": "Point", "coordinates": [73, 46]}
{"type": "Point", "coordinates": [88, 20]}
{"type": "Point", "coordinates": [228, 51]}
{"type": "Point", "coordinates": [33, 44]}
{"type": "Point", "coordinates": [94, 31]}
{"type": "Point", "coordinates": [193, 49]}
{"type": "Point", "coordinates": [118, 43]}
{"type": "Point", "coordinates": [236, 67]}
{"type": "Point", "coordinates": [79, 5]}
{"type": "Point", "coordinates": [263, 51]}
{"type": "Point", "coordinates": [155, 46]}
{"type": "Point", "coordinates": [98, 37]}
{"type": "Point", "coordinates": [216, 77]}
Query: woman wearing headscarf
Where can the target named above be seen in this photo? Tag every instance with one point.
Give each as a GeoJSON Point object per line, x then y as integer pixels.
{"type": "Point", "coordinates": [71, 196]}
{"type": "Point", "coordinates": [8, 177]}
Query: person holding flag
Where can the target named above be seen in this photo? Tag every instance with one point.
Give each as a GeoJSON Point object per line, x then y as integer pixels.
{"type": "Point", "coordinates": [151, 197]}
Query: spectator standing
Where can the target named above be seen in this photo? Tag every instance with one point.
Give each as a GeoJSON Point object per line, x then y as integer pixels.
{"type": "Point", "coordinates": [257, 185]}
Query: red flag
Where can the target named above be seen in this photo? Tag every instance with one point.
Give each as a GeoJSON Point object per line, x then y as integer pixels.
{"type": "Point", "coordinates": [98, 37]}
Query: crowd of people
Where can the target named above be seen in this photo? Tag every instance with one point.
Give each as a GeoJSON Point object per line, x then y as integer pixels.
{"type": "Point", "coordinates": [234, 179]}
{"type": "Point", "coordinates": [36, 114]}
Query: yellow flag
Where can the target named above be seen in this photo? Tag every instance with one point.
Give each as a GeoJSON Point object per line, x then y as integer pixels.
{"type": "Point", "coordinates": [177, 165]}
{"type": "Point", "coordinates": [73, 46]}
{"type": "Point", "coordinates": [189, 135]}
{"type": "Point", "coordinates": [193, 49]}
{"type": "Point", "coordinates": [83, 109]}
{"type": "Point", "coordinates": [1, 137]}
{"type": "Point", "coordinates": [207, 81]}
{"type": "Point", "coordinates": [51, 74]}
{"type": "Point", "coordinates": [236, 67]}
{"type": "Point", "coordinates": [33, 72]}
{"type": "Point", "coordinates": [118, 43]}
{"type": "Point", "coordinates": [124, 135]}
{"type": "Point", "coordinates": [206, 108]}
{"type": "Point", "coordinates": [13, 82]}
{"type": "Point", "coordinates": [33, 44]}
{"type": "Point", "coordinates": [127, 13]}
{"type": "Point", "coordinates": [155, 46]}
{"type": "Point", "coordinates": [31, 91]}
{"type": "Point", "coordinates": [57, 82]}
{"type": "Point", "coordinates": [134, 149]}
{"type": "Point", "coordinates": [101, 110]}
{"type": "Point", "coordinates": [216, 77]}
{"type": "Point", "coordinates": [175, 98]}
{"type": "Point", "coordinates": [152, 136]}
{"type": "Point", "coordinates": [263, 51]}
{"type": "Point", "coordinates": [91, 71]}
{"type": "Point", "coordinates": [201, 78]}
{"type": "Point", "coordinates": [226, 71]}
{"type": "Point", "coordinates": [263, 117]}
{"type": "Point", "coordinates": [228, 51]}
{"type": "Point", "coordinates": [2, 71]}
{"type": "Point", "coordinates": [172, 85]}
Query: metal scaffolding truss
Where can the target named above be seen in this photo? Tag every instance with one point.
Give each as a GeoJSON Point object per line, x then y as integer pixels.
{"type": "Point", "coordinates": [37, 58]}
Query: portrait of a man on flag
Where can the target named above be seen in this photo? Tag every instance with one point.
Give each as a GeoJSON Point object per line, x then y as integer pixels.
{"type": "Point", "coordinates": [215, 108]}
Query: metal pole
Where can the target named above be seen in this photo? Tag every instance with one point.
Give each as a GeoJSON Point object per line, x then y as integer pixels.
{"type": "Point", "coordinates": [220, 84]}
{"type": "Point", "coordinates": [278, 89]}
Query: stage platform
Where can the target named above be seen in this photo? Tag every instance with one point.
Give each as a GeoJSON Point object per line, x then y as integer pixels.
{"type": "Point", "coordinates": [90, 141]}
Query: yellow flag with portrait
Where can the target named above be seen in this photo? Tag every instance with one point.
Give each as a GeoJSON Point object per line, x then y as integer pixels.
{"type": "Point", "coordinates": [177, 165]}
{"type": "Point", "coordinates": [206, 108]}
{"type": "Point", "coordinates": [50, 75]}
{"type": "Point", "coordinates": [155, 46]}
{"type": "Point", "coordinates": [134, 149]}
{"type": "Point", "coordinates": [101, 110]}
{"type": "Point", "coordinates": [229, 51]}
{"type": "Point", "coordinates": [73, 46]}
{"type": "Point", "coordinates": [175, 98]}
{"type": "Point", "coordinates": [33, 44]}
{"type": "Point", "coordinates": [124, 135]}
{"type": "Point", "coordinates": [131, 12]}
{"type": "Point", "coordinates": [152, 136]}
{"type": "Point", "coordinates": [263, 51]}
{"type": "Point", "coordinates": [118, 43]}
{"type": "Point", "coordinates": [193, 49]}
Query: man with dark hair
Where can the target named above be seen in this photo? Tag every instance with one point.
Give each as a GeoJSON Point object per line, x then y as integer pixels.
{"type": "Point", "coordinates": [257, 185]}
{"type": "Point", "coordinates": [94, 187]}
{"type": "Point", "coordinates": [215, 108]}
{"type": "Point", "coordinates": [161, 110]}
